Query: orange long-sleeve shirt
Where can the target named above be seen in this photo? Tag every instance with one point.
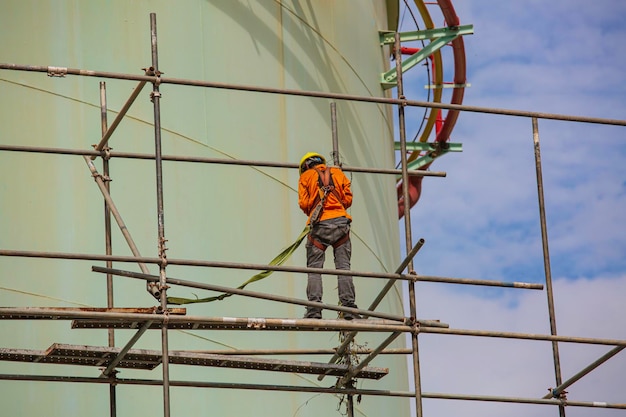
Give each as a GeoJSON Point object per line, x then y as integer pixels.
{"type": "Point", "coordinates": [309, 189]}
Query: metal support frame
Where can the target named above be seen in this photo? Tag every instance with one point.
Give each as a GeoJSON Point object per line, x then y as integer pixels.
{"type": "Point", "coordinates": [335, 134]}
{"type": "Point", "coordinates": [439, 38]}
{"type": "Point", "coordinates": [107, 236]}
{"type": "Point", "coordinates": [307, 389]}
{"type": "Point", "coordinates": [162, 319]}
{"type": "Point", "coordinates": [546, 258]}
{"type": "Point", "coordinates": [261, 267]}
{"type": "Point", "coordinates": [110, 369]}
{"type": "Point", "coordinates": [407, 228]}
{"type": "Point", "coordinates": [433, 151]}
{"type": "Point", "coordinates": [559, 392]}
{"type": "Point", "coordinates": [155, 97]}
{"type": "Point", "coordinates": [354, 371]}
{"type": "Point", "coordinates": [320, 94]}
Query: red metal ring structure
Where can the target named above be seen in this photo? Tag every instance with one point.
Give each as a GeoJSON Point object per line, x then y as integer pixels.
{"type": "Point", "coordinates": [443, 134]}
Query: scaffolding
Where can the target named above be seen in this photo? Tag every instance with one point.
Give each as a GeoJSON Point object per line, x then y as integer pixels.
{"type": "Point", "coordinates": [165, 318]}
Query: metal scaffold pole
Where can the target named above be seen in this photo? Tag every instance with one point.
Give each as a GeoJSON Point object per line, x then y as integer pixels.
{"type": "Point", "coordinates": [335, 134]}
{"type": "Point", "coordinates": [407, 227]}
{"type": "Point", "coordinates": [307, 93]}
{"type": "Point", "coordinates": [238, 265]}
{"type": "Point", "coordinates": [155, 97]}
{"type": "Point", "coordinates": [198, 159]}
{"type": "Point", "coordinates": [546, 258]}
{"type": "Point", "coordinates": [165, 319]}
{"type": "Point", "coordinates": [107, 237]}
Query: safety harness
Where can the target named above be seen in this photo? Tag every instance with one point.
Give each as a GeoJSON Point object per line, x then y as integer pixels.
{"type": "Point", "coordinates": [326, 187]}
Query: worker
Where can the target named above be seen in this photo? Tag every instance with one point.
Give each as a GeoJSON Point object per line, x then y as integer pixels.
{"type": "Point", "coordinates": [324, 194]}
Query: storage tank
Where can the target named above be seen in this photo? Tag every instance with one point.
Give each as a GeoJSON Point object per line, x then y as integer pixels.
{"type": "Point", "coordinates": [218, 212]}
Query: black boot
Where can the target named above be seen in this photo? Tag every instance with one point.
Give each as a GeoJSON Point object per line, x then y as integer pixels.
{"type": "Point", "coordinates": [313, 313]}
{"type": "Point", "coordinates": [350, 316]}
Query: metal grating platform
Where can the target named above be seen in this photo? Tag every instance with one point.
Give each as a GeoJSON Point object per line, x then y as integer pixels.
{"type": "Point", "coordinates": [150, 359]}
{"type": "Point", "coordinates": [57, 313]}
{"type": "Point", "coordinates": [91, 318]}
{"type": "Point", "coordinates": [81, 355]}
{"type": "Point", "coordinates": [247, 324]}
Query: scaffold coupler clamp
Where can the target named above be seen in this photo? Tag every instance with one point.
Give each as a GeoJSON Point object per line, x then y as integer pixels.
{"type": "Point", "coordinates": [57, 71]}
{"type": "Point", "coordinates": [111, 375]}
{"type": "Point", "coordinates": [166, 317]}
{"type": "Point", "coordinates": [256, 323]}
{"type": "Point", "coordinates": [152, 72]}
{"type": "Point", "coordinates": [154, 94]}
{"type": "Point", "coordinates": [350, 384]}
{"type": "Point", "coordinates": [103, 178]}
{"type": "Point", "coordinates": [347, 384]}
{"type": "Point", "coordinates": [559, 395]}
{"type": "Point", "coordinates": [414, 324]}
{"type": "Point", "coordinates": [153, 288]}
{"type": "Point", "coordinates": [438, 146]}
{"type": "Point", "coordinates": [105, 152]}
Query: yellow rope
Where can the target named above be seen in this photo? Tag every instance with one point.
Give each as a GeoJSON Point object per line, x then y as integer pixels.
{"type": "Point", "coordinates": [278, 260]}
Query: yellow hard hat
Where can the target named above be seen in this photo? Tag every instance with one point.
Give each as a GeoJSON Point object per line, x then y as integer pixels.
{"type": "Point", "coordinates": [315, 160]}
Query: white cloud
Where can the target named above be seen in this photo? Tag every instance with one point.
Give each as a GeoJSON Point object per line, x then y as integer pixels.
{"type": "Point", "coordinates": [522, 368]}
{"type": "Point", "coordinates": [482, 220]}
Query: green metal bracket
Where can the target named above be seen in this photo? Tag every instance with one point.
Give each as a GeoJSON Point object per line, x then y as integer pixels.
{"type": "Point", "coordinates": [440, 37]}
{"type": "Point", "coordinates": [433, 151]}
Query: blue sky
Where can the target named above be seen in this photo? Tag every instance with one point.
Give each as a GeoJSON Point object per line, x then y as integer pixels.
{"type": "Point", "coordinates": [482, 220]}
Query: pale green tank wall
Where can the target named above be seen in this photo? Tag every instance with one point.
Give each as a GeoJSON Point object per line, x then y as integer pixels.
{"type": "Point", "coordinates": [212, 212]}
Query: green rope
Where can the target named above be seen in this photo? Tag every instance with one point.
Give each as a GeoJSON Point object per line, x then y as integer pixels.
{"type": "Point", "coordinates": [278, 260]}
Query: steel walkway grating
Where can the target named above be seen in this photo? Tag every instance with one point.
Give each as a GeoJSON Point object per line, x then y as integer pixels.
{"type": "Point", "coordinates": [150, 359]}
{"type": "Point", "coordinates": [244, 324]}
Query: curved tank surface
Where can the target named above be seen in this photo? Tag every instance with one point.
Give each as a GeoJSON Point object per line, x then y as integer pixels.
{"type": "Point", "coordinates": [218, 212]}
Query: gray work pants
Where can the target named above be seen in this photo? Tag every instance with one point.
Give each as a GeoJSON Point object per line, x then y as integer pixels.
{"type": "Point", "coordinates": [328, 232]}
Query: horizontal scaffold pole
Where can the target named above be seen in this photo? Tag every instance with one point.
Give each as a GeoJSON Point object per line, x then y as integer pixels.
{"type": "Point", "coordinates": [217, 161]}
{"type": "Point", "coordinates": [527, 336]}
{"type": "Point", "coordinates": [321, 390]}
{"type": "Point", "coordinates": [62, 71]}
{"type": "Point", "coordinates": [261, 267]}
{"type": "Point", "coordinates": [197, 322]}
{"type": "Point", "coordinates": [300, 352]}
{"type": "Point", "coordinates": [246, 293]}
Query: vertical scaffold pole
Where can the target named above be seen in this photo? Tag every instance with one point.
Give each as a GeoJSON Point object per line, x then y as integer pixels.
{"type": "Point", "coordinates": [336, 162]}
{"type": "Point", "coordinates": [407, 225]}
{"type": "Point", "coordinates": [107, 237]}
{"type": "Point", "coordinates": [156, 96]}
{"type": "Point", "coordinates": [546, 258]}
{"type": "Point", "coordinates": [333, 124]}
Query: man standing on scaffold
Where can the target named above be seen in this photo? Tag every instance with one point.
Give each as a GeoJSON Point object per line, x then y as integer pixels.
{"type": "Point", "coordinates": [324, 194]}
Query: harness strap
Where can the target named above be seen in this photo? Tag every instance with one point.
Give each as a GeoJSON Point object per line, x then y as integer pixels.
{"type": "Point", "coordinates": [321, 246]}
{"type": "Point", "coordinates": [326, 183]}
{"type": "Point", "coordinates": [317, 243]}
{"type": "Point", "coordinates": [341, 241]}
